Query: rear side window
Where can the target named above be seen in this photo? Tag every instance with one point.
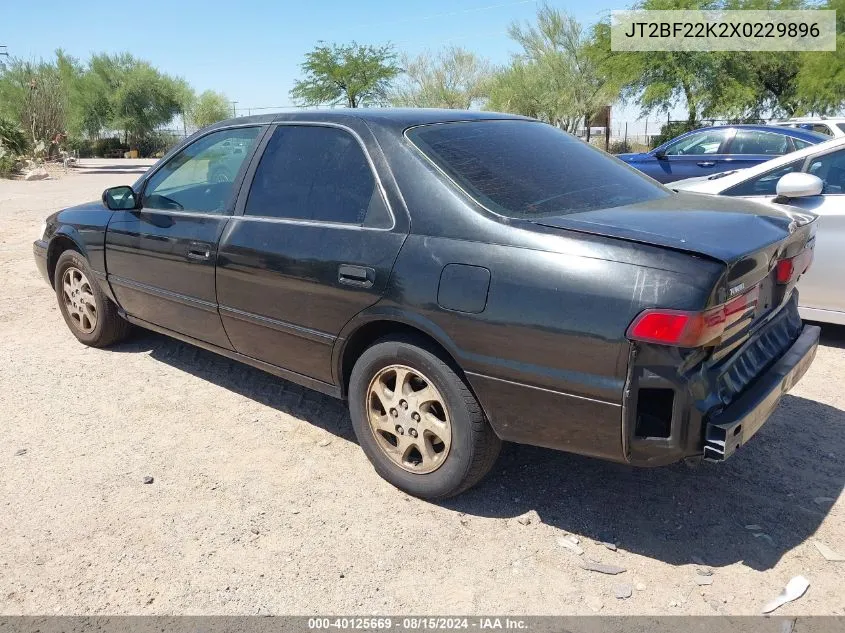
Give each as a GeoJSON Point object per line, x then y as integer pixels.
{"type": "Point", "coordinates": [754, 142]}
{"type": "Point", "coordinates": [799, 144]}
{"type": "Point", "coordinates": [822, 129]}
{"type": "Point", "coordinates": [313, 173]}
{"type": "Point", "coordinates": [526, 169]}
{"type": "Point", "coordinates": [765, 184]}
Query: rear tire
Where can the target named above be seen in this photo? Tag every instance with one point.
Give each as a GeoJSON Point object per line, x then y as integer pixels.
{"type": "Point", "coordinates": [88, 312]}
{"type": "Point", "coordinates": [429, 437]}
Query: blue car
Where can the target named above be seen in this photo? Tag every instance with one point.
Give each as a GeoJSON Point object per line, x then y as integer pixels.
{"type": "Point", "coordinates": [710, 150]}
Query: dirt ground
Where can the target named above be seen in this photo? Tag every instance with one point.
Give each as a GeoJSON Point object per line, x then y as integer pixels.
{"type": "Point", "coordinates": [263, 503]}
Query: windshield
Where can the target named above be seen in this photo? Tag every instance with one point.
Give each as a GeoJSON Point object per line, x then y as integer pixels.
{"type": "Point", "coordinates": [527, 169]}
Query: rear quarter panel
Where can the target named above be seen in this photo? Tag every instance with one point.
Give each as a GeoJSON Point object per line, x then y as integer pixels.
{"type": "Point", "coordinates": [547, 356]}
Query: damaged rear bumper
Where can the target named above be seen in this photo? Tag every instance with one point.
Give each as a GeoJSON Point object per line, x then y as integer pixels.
{"type": "Point", "coordinates": [731, 428]}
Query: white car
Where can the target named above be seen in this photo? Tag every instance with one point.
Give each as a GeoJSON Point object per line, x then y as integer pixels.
{"type": "Point", "coordinates": [812, 179]}
{"type": "Point", "coordinates": [831, 127]}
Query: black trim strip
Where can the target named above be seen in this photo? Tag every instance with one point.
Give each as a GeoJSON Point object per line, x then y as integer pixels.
{"type": "Point", "coordinates": [560, 393]}
{"type": "Point", "coordinates": [300, 379]}
{"type": "Point", "coordinates": [279, 326]}
{"type": "Point", "coordinates": [191, 302]}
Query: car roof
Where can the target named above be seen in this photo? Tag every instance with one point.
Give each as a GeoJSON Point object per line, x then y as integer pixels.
{"type": "Point", "coordinates": [741, 175]}
{"type": "Point", "coordinates": [398, 118]}
{"type": "Point", "coordinates": [813, 119]}
{"type": "Point", "coordinates": [806, 135]}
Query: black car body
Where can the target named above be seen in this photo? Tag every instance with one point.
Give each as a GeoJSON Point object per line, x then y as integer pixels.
{"type": "Point", "coordinates": [612, 317]}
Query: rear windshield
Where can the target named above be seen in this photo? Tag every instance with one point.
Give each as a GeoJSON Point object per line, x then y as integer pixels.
{"type": "Point", "coordinates": [527, 169]}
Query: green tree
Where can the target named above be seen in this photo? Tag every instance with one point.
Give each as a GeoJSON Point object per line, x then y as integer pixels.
{"type": "Point", "coordinates": [452, 78]}
{"type": "Point", "coordinates": [710, 85]}
{"type": "Point", "coordinates": [354, 74]}
{"type": "Point", "coordinates": [658, 81]}
{"type": "Point", "coordinates": [821, 78]}
{"type": "Point", "coordinates": [526, 87]}
{"type": "Point", "coordinates": [186, 98]}
{"type": "Point", "coordinates": [562, 48]}
{"type": "Point", "coordinates": [210, 107]}
{"type": "Point", "coordinates": [144, 100]}
{"type": "Point", "coordinates": [34, 94]}
{"type": "Point", "coordinates": [556, 77]}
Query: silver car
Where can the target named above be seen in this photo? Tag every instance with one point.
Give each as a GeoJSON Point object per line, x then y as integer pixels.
{"type": "Point", "coordinates": [812, 179]}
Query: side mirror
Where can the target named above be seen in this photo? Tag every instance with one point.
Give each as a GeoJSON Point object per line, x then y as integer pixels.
{"type": "Point", "coordinates": [121, 198]}
{"type": "Point", "coordinates": [799, 185]}
{"type": "Point", "coordinates": [660, 154]}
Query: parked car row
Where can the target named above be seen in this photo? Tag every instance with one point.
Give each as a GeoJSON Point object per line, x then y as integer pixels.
{"type": "Point", "coordinates": [711, 150]}
{"type": "Point", "coordinates": [834, 127]}
{"type": "Point", "coordinates": [461, 278]}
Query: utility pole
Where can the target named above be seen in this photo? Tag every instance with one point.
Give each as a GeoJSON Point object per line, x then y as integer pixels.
{"type": "Point", "coordinates": [234, 112]}
{"type": "Point", "coordinates": [4, 52]}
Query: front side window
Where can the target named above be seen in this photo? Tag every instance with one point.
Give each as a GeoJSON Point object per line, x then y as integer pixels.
{"type": "Point", "coordinates": [527, 169]}
{"type": "Point", "coordinates": [766, 184]}
{"type": "Point", "coordinates": [200, 177]}
{"type": "Point", "coordinates": [311, 172]}
{"type": "Point", "coordinates": [697, 143]}
{"type": "Point", "coordinates": [831, 169]}
{"type": "Point", "coordinates": [754, 142]}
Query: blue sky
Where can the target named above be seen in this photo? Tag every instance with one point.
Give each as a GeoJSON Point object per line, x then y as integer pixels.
{"type": "Point", "coordinates": [251, 49]}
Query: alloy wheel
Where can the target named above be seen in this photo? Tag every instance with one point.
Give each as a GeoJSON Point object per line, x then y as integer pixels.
{"type": "Point", "coordinates": [79, 300]}
{"type": "Point", "coordinates": [409, 419]}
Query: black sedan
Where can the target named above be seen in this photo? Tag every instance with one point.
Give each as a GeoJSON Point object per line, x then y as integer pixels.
{"type": "Point", "coordinates": [462, 278]}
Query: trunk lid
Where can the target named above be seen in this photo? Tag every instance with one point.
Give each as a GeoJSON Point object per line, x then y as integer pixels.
{"type": "Point", "coordinates": [725, 229]}
{"type": "Point", "coordinates": [749, 238]}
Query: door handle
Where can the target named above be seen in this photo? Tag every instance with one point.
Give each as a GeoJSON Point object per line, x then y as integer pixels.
{"type": "Point", "coordinates": [359, 276]}
{"type": "Point", "coordinates": [706, 163]}
{"type": "Point", "coordinates": [199, 251]}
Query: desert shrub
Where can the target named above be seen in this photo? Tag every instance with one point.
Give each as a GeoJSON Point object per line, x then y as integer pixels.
{"type": "Point", "coordinates": [83, 147]}
{"type": "Point", "coordinates": [620, 147]}
{"type": "Point", "coordinates": [8, 162]}
{"type": "Point", "coordinates": [12, 137]}
{"type": "Point", "coordinates": [105, 146]}
{"type": "Point", "coordinates": [157, 145]}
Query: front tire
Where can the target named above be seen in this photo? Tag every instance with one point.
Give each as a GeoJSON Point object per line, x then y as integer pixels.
{"type": "Point", "coordinates": [88, 312]}
{"type": "Point", "coordinates": [418, 422]}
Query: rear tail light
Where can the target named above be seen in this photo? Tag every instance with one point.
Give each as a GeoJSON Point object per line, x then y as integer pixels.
{"type": "Point", "coordinates": [788, 270]}
{"type": "Point", "coordinates": [680, 328]}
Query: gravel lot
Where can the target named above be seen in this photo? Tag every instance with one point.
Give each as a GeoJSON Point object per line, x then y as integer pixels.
{"type": "Point", "coordinates": [263, 503]}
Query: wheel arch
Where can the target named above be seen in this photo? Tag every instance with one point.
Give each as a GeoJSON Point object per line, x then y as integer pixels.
{"type": "Point", "coordinates": [64, 239]}
{"type": "Point", "coordinates": [366, 329]}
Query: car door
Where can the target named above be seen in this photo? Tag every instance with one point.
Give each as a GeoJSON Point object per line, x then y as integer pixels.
{"type": "Point", "coordinates": [160, 258]}
{"type": "Point", "coordinates": [312, 243]}
{"type": "Point", "coordinates": [821, 287]}
{"type": "Point", "coordinates": [752, 147]}
{"type": "Point", "coordinates": [698, 153]}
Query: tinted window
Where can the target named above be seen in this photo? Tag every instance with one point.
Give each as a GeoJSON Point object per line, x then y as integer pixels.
{"type": "Point", "coordinates": [199, 178]}
{"type": "Point", "coordinates": [529, 169]}
{"type": "Point", "coordinates": [831, 169]}
{"type": "Point", "coordinates": [754, 142]}
{"type": "Point", "coordinates": [799, 144]}
{"type": "Point", "coordinates": [841, 126]}
{"type": "Point", "coordinates": [313, 173]}
{"type": "Point", "coordinates": [765, 184]}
